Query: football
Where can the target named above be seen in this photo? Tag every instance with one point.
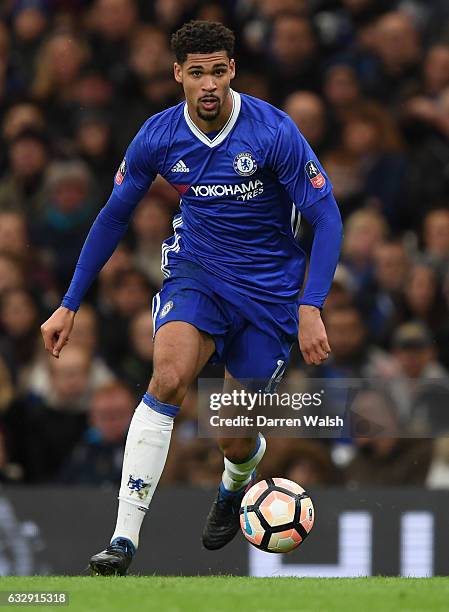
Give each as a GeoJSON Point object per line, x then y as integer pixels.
{"type": "Point", "coordinates": [276, 515]}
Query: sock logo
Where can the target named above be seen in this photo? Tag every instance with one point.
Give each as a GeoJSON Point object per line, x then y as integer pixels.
{"type": "Point", "coordinates": [137, 484]}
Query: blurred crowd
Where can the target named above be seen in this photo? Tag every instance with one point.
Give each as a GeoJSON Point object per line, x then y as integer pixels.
{"type": "Point", "coordinates": [366, 81]}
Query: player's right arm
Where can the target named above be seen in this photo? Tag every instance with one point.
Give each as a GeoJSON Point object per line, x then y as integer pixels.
{"type": "Point", "coordinates": [132, 181]}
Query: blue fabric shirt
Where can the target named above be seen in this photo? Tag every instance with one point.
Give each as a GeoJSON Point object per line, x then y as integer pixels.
{"type": "Point", "coordinates": [242, 194]}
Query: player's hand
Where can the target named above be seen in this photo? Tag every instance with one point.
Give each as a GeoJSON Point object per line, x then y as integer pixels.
{"type": "Point", "coordinates": [312, 336]}
{"type": "Point", "coordinates": [56, 330]}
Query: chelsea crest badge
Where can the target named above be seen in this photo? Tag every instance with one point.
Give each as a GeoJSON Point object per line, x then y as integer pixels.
{"type": "Point", "coordinates": [245, 164]}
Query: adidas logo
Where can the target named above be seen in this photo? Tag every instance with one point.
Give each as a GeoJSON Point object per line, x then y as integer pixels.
{"type": "Point", "coordinates": [180, 167]}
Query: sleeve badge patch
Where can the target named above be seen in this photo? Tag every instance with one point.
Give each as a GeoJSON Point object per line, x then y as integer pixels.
{"type": "Point", "coordinates": [121, 173]}
{"type": "Point", "coordinates": [315, 175]}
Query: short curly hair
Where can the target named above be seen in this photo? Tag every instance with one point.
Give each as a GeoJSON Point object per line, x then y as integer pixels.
{"type": "Point", "coordinates": [202, 37]}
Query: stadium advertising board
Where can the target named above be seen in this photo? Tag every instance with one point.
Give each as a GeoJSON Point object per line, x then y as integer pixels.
{"type": "Point", "coordinates": [357, 533]}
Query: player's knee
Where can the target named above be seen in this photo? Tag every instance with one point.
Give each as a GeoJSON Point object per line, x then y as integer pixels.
{"type": "Point", "coordinates": [237, 450]}
{"type": "Point", "coordinates": [168, 384]}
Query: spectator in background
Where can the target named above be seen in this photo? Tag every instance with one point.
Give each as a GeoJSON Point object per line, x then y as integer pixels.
{"type": "Point", "coordinates": [436, 70]}
{"type": "Point", "coordinates": [98, 457]}
{"type": "Point", "coordinates": [13, 234]}
{"type": "Point", "coordinates": [112, 23]}
{"type": "Point", "coordinates": [260, 17]}
{"type": "Point", "coordinates": [342, 90]}
{"type": "Point", "coordinates": [136, 365]}
{"type": "Point", "coordinates": [342, 290]}
{"type": "Point", "coordinates": [22, 116]}
{"type": "Point", "coordinates": [68, 213]}
{"type": "Point", "coordinates": [84, 338]}
{"type": "Point", "coordinates": [425, 123]}
{"type": "Point", "coordinates": [385, 459]}
{"type": "Point", "coordinates": [120, 262]}
{"type": "Point", "coordinates": [383, 304]}
{"type": "Point", "coordinates": [359, 13]}
{"type": "Point", "coordinates": [212, 11]}
{"type": "Point", "coordinates": [93, 91]}
{"type": "Point", "coordinates": [17, 118]}
{"type": "Point", "coordinates": [85, 335]}
{"type": "Point", "coordinates": [171, 14]}
{"type": "Point", "coordinates": [435, 79]}
{"type": "Point", "coordinates": [22, 189]}
{"type": "Point", "coordinates": [49, 422]}
{"type": "Point", "coordinates": [371, 137]}
{"type": "Point", "coordinates": [397, 45]}
{"type": "Point", "coordinates": [148, 51]}
{"type": "Point", "coordinates": [293, 60]}
{"type": "Point", "coordinates": [352, 356]}
{"type": "Point", "coordinates": [15, 241]}
{"type": "Point", "coordinates": [436, 238]}
{"type": "Point", "coordinates": [96, 148]}
{"type": "Point", "coordinates": [150, 83]}
{"type": "Point", "coordinates": [12, 274]}
{"type": "Point", "coordinates": [29, 24]}
{"type": "Point", "coordinates": [59, 63]}
{"type": "Point", "coordinates": [414, 350]}
{"type": "Point", "coordinates": [346, 177]}
{"type": "Point", "coordinates": [423, 299]}
{"type": "Point", "coordinates": [151, 225]}
{"type": "Point", "coordinates": [422, 387]}
{"type": "Point", "coordinates": [364, 231]}
{"type": "Point", "coordinates": [309, 113]}
{"type": "Point", "coordinates": [19, 333]}
{"type": "Point", "coordinates": [131, 292]}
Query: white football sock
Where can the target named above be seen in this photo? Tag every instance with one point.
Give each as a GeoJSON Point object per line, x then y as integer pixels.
{"type": "Point", "coordinates": [146, 451]}
{"type": "Point", "coordinates": [238, 475]}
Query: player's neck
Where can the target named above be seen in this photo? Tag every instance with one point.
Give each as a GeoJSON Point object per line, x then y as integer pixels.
{"type": "Point", "coordinates": [216, 124]}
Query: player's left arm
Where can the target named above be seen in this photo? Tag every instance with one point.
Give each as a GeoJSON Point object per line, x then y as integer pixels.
{"type": "Point", "coordinates": [325, 219]}
{"type": "Point", "coordinates": [304, 179]}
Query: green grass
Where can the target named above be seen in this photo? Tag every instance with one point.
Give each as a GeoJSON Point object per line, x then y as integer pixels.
{"type": "Point", "coordinates": [235, 594]}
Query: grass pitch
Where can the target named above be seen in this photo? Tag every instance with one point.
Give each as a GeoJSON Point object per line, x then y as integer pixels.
{"type": "Point", "coordinates": [235, 594]}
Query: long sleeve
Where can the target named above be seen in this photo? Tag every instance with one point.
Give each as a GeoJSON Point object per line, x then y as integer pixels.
{"type": "Point", "coordinates": [325, 219]}
{"type": "Point", "coordinates": [104, 235]}
{"type": "Point", "coordinates": [308, 186]}
{"type": "Point", "coordinates": [133, 178]}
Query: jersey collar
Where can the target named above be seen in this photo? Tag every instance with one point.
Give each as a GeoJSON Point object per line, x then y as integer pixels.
{"type": "Point", "coordinates": [225, 130]}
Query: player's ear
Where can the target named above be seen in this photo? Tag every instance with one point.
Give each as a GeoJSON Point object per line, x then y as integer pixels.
{"type": "Point", "coordinates": [177, 71]}
{"type": "Point", "coordinates": [232, 68]}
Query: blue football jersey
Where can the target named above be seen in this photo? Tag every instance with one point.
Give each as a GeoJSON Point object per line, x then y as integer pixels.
{"type": "Point", "coordinates": [241, 191]}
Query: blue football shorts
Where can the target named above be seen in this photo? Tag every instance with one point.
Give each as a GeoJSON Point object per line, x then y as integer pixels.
{"type": "Point", "coordinates": [252, 338]}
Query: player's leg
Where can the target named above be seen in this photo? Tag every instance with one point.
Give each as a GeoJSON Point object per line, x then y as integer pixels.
{"type": "Point", "coordinates": [241, 457]}
{"type": "Point", "coordinates": [180, 352]}
{"type": "Point", "coordinates": [255, 360]}
{"type": "Point", "coordinates": [256, 357]}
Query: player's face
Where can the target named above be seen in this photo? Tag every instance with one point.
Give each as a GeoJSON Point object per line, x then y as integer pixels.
{"type": "Point", "coordinates": [206, 79]}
